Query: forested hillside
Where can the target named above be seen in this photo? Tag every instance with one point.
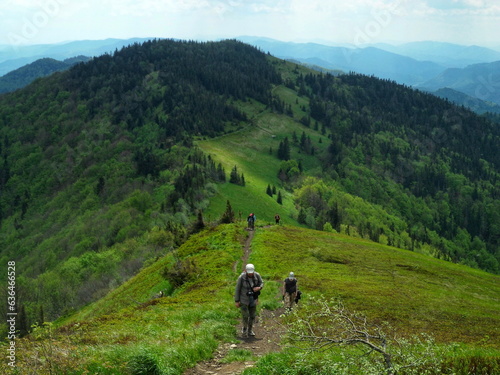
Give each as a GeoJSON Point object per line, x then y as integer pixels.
{"type": "Point", "coordinates": [100, 173]}
{"type": "Point", "coordinates": [429, 162]}
{"type": "Point", "coordinates": [95, 158]}
{"type": "Point", "coordinates": [25, 75]}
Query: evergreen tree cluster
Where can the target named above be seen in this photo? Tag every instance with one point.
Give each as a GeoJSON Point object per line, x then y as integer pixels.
{"type": "Point", "coordinates": [386, 137]}
{"type": "Point", "coordinates": [271, 191]}
{"type": "Point", "coordinates": [181, 86]}
{"type": "Point", "coordinates": [190, 183]}
{"type": "Point", "coordinates": [284, 149]}
{"type": "Point", "coordinates": [236, 178]}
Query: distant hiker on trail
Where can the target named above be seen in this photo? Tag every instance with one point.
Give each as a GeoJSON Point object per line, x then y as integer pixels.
{"type": "Point", "coordinates": [246, 296]}
{"type": "Point", "coordinates": [277, 218]}
{"type": "Point", "coordinates": [251, 221]}
{"type": "Point", "coordinates": [289, 291]}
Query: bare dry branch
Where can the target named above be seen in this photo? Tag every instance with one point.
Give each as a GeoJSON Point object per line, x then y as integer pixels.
{"type": "Point", "coordinates": [323, 324]}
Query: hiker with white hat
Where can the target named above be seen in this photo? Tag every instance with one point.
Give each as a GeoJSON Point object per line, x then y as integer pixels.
{"type": "Point", "coordinates": [289, 291]}
{"type": "Point", "coordinates": [246, 296]}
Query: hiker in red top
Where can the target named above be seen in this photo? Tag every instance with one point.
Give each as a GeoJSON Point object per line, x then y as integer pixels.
{"type": "Point", "coordinates": [251, 221]}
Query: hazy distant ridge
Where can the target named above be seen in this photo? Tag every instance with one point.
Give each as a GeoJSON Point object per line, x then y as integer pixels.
{"type": "Point", "coordinates": [369, 60]}
{"type": "Point", "coordinates": [12, 57]}
{"type": "Point", "coordinates": [480, 81]}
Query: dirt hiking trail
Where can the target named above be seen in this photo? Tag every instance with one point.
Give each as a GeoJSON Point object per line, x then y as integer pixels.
{"type": "Point", "coordinates": [268, 335]}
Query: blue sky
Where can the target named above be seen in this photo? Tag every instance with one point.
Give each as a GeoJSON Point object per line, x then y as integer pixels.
{"type": "Point", "coordinates": [338, 21]}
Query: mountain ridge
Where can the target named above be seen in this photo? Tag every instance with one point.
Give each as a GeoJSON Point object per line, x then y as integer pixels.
{"type": "Point", "coordinates": [115, 177]}
{"type": "Point", "coordinates": [106, 169]}
{"type": "Point", "coordinates": [360, 60]}
{"type": "Point", "coordinates": [23, 76]}
{"type": "Point", "coordinates": [477, 80]}
{"type": "Point", "coordinates": [448, 54]}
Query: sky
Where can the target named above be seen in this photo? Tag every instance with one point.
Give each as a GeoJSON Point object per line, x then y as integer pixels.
{"type": "Point", "coordinates": [355, 22]}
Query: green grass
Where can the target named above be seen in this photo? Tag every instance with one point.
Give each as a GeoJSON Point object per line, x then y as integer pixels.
{"type": "Point", "coordinates": [414, 292]}
{"type": "Point", "coordinates": [248, 149]}
{"type": "Point", "coordinates": [128, 332]}
{"type": "Point", "coordinates": [238, 355]}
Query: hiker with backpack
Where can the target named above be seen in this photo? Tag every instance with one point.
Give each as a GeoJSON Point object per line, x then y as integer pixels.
{"type": "Point", "coordinates": [289, 291]}
{"type": "Point", "coordinates": [251, 221]}
{"type": "Point", "coordinates": [246, 296]}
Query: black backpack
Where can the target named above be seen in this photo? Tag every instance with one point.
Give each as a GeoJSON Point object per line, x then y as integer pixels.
{"type": "Point", "coordinates": [298, 296]}
{"type": "Point", "coordinates": [290, 285]}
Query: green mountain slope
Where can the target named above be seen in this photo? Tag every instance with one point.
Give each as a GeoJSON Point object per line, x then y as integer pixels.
{"type": "Point", "coordinates": [425, 181]}
{"type": "Point", "coordinates": [475, 104]}
{"type": "Point", "coordinates": [130, 328]}
{"type": "Point", "coordinates": [109, 166]}
{"type": "Point", "coordinates": [91, 163]}
{"type": "Point", "coordinates": [40, 68]}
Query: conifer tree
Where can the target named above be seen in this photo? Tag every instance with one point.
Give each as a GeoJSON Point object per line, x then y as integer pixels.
{"type": "Point", "coordinates": [23, 325]}
{"type": "Point", "coordinates": [303, 139]}
{"type": "Point", "coordinates": [221, 174]}
{"type": "Point", "coordinates": [269, 191]}
{"type": "Point", "coordinates": [284, 150]}
{"type": "Point", "coordinates": [100, 186]}
{"type": "Point", "coordinates": [41, 315]}
{"type": "Point", "coordinates": [200, 224]}
{"type": "Point", "coordinates": [234, 178]}
{"type": "Point", "coordinates": [228, 215]}
{"type": "Point", "coordinates": [280, 199]}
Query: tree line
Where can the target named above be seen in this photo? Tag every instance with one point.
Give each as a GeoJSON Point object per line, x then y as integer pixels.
{"type": "Point", "coordinates": [430, 163]}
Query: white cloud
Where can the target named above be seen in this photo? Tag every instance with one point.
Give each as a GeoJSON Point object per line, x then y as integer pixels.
{"type": "Point", "coordinates": [337, 20]}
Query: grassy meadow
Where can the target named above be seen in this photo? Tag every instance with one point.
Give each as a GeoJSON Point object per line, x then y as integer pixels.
{"type": "Point", "coordinates": [252, 149]}
{"type": "Point", "coordinates": [131, 332]}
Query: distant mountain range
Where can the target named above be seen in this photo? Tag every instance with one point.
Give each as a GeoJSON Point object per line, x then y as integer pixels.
{"type": "Point", "coordinates": [40, 68]}
{"type": "Point", "coordinates": [446, 54]}
{"type": "Point", "coordinates": [14, 57]}
{"type": "Point", "coordinates": [369, 60]}
{"type": "Point", "coordinates": [481, 81]}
